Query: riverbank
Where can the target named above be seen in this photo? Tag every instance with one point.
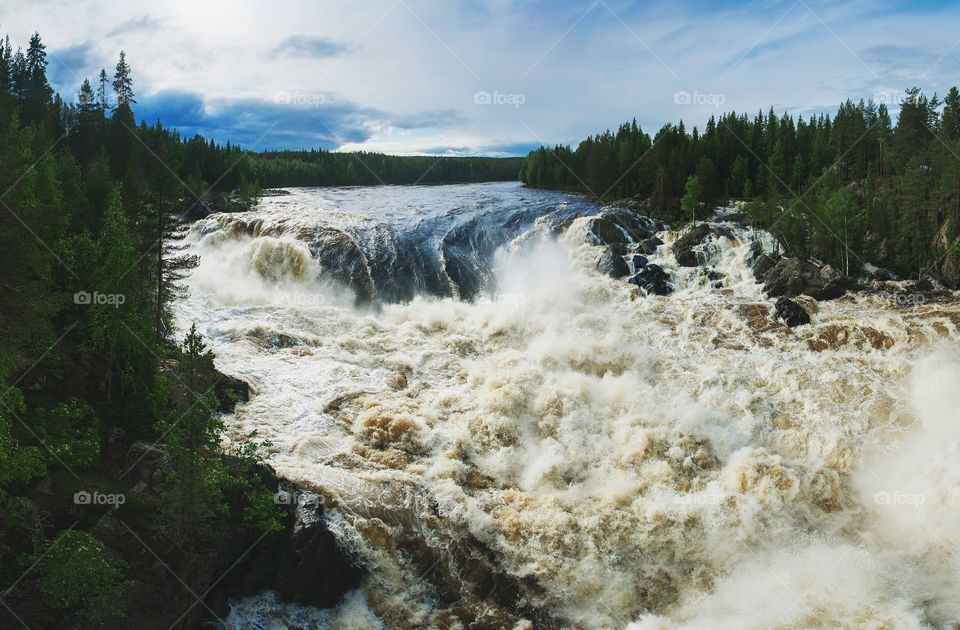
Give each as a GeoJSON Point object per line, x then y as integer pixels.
{"type": "Point", "coordinates": [121, 503]}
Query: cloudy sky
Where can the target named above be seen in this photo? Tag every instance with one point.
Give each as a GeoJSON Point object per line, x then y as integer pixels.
{"type": "Point", "coordinates": [487, 77]}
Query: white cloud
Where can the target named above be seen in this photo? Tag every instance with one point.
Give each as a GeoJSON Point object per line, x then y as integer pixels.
{"type": "Point", "coordinates": [577, 70]}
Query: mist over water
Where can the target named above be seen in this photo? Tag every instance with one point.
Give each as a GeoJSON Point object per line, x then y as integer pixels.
{"type": "Point", "coordinates": [502, 433]}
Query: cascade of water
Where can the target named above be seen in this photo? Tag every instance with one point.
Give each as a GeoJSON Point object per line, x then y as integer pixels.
{"type": "Point", "coordinates": [564, 445]}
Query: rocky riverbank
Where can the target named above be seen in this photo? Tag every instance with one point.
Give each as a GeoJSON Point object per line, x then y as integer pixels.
{"type": "Point", "coordinates": [179, 584]}
{"type": "Point", "coordinates": [629, 241]}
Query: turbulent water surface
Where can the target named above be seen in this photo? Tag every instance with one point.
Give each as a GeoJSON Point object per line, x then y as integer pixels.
{"type": "Point", "coordinates": [508, 438]}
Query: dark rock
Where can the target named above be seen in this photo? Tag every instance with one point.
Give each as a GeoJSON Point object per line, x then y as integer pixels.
{"type": "Point", "coordinates": [230, 392]}
{"type": "Point", "coordinates": [313, 569]}
{"type": "Point", "coordinates": [762, 264]}
{"type": "Point", "coordinates": [607, 231]}
{"type": "Point", "coordinates": [724, 230]}
{"type": "Point", "coordinates": [612, 264]}
{"type": "Point", "coordinates": [683, 247]}
{"type": "Point", "coordinates": [302, 563]}
{"type": "Point", "coordinates": [652, 279]}
{"type": "Point", "coordinates": [147, 465]}
{"type": "Point", "coordinates": [620, 226]}
{"type": "Point", "coordinates": [830, 284]}
{"type": "Point", "coordinates": [792, 313]}
{"type": "Point", "coordinates": [649, 246]}
{"type": "Point", "coordinates": [792, 277]}
{"type": "Point", "coordinates": [879, 273]}
{"type": "Point", "coordinates": [193, 209]}
{"type": "Point", "coordinates": [715, 277]}
{"type": "Point", "coordinates": [639, 262]}
{"type": "Point", "coordinates": [787, 277]}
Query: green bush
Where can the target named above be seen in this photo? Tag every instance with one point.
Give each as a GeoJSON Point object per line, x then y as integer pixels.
{"type": "Point", "coordinates": [77, 573]}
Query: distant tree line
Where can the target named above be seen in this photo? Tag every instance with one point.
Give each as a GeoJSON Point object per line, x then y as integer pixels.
{"type": "Point", "coordinates": [845, 189]}
{"type": "Point", "coordinates": [275, 169]}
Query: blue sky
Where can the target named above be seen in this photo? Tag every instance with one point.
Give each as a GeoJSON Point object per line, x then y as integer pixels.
{"type": "Point", "coordinates": [489, 77]}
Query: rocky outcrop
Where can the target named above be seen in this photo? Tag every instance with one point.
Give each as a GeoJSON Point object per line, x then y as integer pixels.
{"type": "Point", "coordinates": [147, 465]}
{"type": "Point", "coordinates": [792, 277]}
{"type": "Point", "coordinates": [612, 264]}
{"type": "Point", "coordinates": [762, 264]}
{"type": "Point", "coordinates": [193, 209]}
{"type": "Point", "coordinates": [652, 279]}
{"type": "Point", "coordinates": [649, 246]}
{"type": "Point", "coordinates": [792, 313]}
{"type": "Point", "coordinates": [301, 563]}
{"type": "Point", "coordinates": [230, 392]}
{"type": "Point", "coordinates": [683, 248]}
{"type": "Point", "coordinates": [620, 226]}
{"type": "Point", "coordinates": [312, 568]}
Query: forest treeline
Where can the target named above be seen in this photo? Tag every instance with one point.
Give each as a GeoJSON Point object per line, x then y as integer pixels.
{"type": "Point", "coordinates": [277, 169]}
{"type": "Point", "coordinates": [850, 188]}
{"type": "Point", "coordinates": [89, 361]}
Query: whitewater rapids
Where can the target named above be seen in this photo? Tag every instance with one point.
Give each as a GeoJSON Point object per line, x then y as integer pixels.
{"type": "Point", "coordinates": [561, 450]}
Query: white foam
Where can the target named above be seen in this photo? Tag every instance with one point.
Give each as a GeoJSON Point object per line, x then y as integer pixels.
{"type": "Point", "coordinates": [680, 461]}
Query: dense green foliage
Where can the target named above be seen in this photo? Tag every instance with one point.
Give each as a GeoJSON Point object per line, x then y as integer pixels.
{"type": "Point", "coordinates": [78, 571]}
{"type": "Point", "coordinates": [88, 269]}
{"type": "Point", "coordinates": [849, 188]}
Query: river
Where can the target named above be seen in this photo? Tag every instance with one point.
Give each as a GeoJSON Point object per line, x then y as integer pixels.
{"type": "Point", "coordinates": [506, 436]}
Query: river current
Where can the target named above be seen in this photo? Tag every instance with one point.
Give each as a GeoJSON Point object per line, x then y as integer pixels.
{"type": "Point", "coordinates": [507, 437]}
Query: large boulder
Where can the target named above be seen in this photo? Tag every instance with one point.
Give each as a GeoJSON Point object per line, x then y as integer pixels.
{"type": "Point", "coordinates": [230, 392]}
{"type": "Point", "coordinates": [313, 568]}
{"type": "Point", "coordinates": [147, 465]}
{"type": "Point", "coordinates": [715, 277]}
{"type": "Point", "coordinates": [792, 313]}
{"type": "Point", "coordinates": [652, 279]}
{"type": "Point", "coordinates": [792, 277]}
{"type": "Point", "coordinates": [301, 563]}
{"type": "Point", "coordinates": [683, 248]}
{"type": "Point", "coordinates": [612, 264]}
{"type": "Point", "coordinates": [619, 226]}
{"type": "Point", "coordinates": [762, 264]}
{"type": "Point", "coordinates": [649, 246]}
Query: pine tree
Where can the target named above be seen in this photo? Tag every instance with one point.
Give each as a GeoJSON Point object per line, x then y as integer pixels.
{"type": "Point", "coordinates": [123, 82]}
{"type": "Point", "coordinates": [102, 92]}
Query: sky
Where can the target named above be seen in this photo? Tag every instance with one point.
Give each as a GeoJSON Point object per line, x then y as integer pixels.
{"type": "Point", "coordinates": [485, 77]}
